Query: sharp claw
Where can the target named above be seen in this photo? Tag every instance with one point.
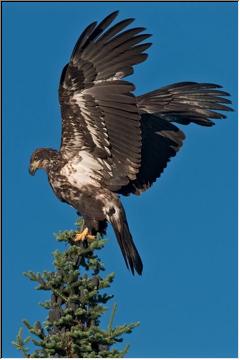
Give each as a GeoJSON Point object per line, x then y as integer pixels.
{"type": "Point", "coordinates": [91, 237]}
{"type": "Point", "coordinates": [82, 235]}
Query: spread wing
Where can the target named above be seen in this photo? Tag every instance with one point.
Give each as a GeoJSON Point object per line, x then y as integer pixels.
{"type": "Point", "coordinates": [183, 103]}
{"type": "Point", "coordinates": [99, 111]}
{"type": "Point", "coordinates": [186, 102]}
{"type": "Point", "coordinates": [161, 141]}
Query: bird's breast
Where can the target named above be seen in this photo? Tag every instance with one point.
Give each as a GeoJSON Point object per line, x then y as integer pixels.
{"type": "Point", "coordinates": [82, 170]}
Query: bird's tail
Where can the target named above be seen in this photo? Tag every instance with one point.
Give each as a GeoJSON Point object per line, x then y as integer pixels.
{"type": "Point", "coordinates": [130, 254]}
{"type": "Point", "coordinates": [186, 102]}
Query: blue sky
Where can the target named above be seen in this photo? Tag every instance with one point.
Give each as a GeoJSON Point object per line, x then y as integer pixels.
{"type": "Point", "coordinates": [185, 226]}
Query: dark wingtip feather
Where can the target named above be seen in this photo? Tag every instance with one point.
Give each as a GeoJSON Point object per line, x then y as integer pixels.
{"type": "Point", "coordinates": [83, 37]}
{"type": "Point", "coordinates": [187, 102]}
{"type": "Point", "coordinates": [108, 20]}
{"type": "Point", "coordinates": [114, 14]}
{"type": "Point", "coordinates": [211, 85]}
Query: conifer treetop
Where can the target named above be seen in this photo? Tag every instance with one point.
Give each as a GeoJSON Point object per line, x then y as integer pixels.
{"type": "Point", "coordinates": [78, 298]}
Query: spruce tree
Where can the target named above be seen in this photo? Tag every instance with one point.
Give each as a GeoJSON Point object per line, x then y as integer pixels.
{"type": "Point", "coordinates": [77, 287]}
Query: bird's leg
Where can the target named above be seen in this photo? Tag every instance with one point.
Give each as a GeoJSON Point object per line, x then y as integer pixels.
{"type": "Point", "coordinates": [84, 235]}
{"type": "Point", "coordinates": [91, 237]}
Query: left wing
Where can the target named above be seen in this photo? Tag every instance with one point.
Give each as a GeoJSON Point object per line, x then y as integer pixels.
{"type": "Point", "coordinates": [99, 110]}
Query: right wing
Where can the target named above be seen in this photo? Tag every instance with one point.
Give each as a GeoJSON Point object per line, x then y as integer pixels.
{"type": "Point", "coordinates": [183, 103]}
{"type": "Point", "coordinates": [161, 140]}
{"type": "Point", "coordinates": [186, 102]}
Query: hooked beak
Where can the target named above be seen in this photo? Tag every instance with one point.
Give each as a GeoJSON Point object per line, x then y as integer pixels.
{"type": "Point", "coordinates": [33, 167]}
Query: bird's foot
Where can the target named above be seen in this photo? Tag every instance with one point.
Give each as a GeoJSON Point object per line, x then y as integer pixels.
{"type": "Point", "coordinates": [84, 235]}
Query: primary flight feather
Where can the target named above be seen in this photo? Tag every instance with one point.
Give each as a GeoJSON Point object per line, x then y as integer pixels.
{"type": "Point", "coordinates": [114, 142]}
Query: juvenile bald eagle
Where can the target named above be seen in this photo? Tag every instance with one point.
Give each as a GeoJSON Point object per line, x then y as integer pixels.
{"type": "Point", "coordinates": [114, 142]}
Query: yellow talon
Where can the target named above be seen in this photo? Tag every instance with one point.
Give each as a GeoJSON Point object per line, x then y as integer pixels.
{"type": "Point", "coordinates": [84, 235]}
{"type": "Point", "coordinates": [91, 237]}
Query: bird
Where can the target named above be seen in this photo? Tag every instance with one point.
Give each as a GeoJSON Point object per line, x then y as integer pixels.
{"type": "Point", "coordinates": [114, 143]}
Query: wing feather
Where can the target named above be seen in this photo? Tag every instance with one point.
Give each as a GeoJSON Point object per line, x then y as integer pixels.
{"type": "Point", "coordinates": [99, 110]}
{"type": "Point", "coordinates": [183, 103]}
{"type": "Point", "coordinates": [186, 102]}
{"type": "Point", "coordinates": [161, 140]}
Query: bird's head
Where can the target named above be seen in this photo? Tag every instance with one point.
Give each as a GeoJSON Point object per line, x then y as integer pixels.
{"type": "Point", "coordinates": [41, 159]}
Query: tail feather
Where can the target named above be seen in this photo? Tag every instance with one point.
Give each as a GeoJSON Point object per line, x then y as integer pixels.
{"type": "Point", "coordinates": [125, 241]}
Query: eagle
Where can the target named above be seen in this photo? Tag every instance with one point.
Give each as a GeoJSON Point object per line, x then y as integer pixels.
{"type": "Point", "coordinates": [113, 142]}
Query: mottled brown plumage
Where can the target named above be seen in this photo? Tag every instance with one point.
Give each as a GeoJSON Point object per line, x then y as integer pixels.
{"type": "Point", "coordinates": [112, 141]}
